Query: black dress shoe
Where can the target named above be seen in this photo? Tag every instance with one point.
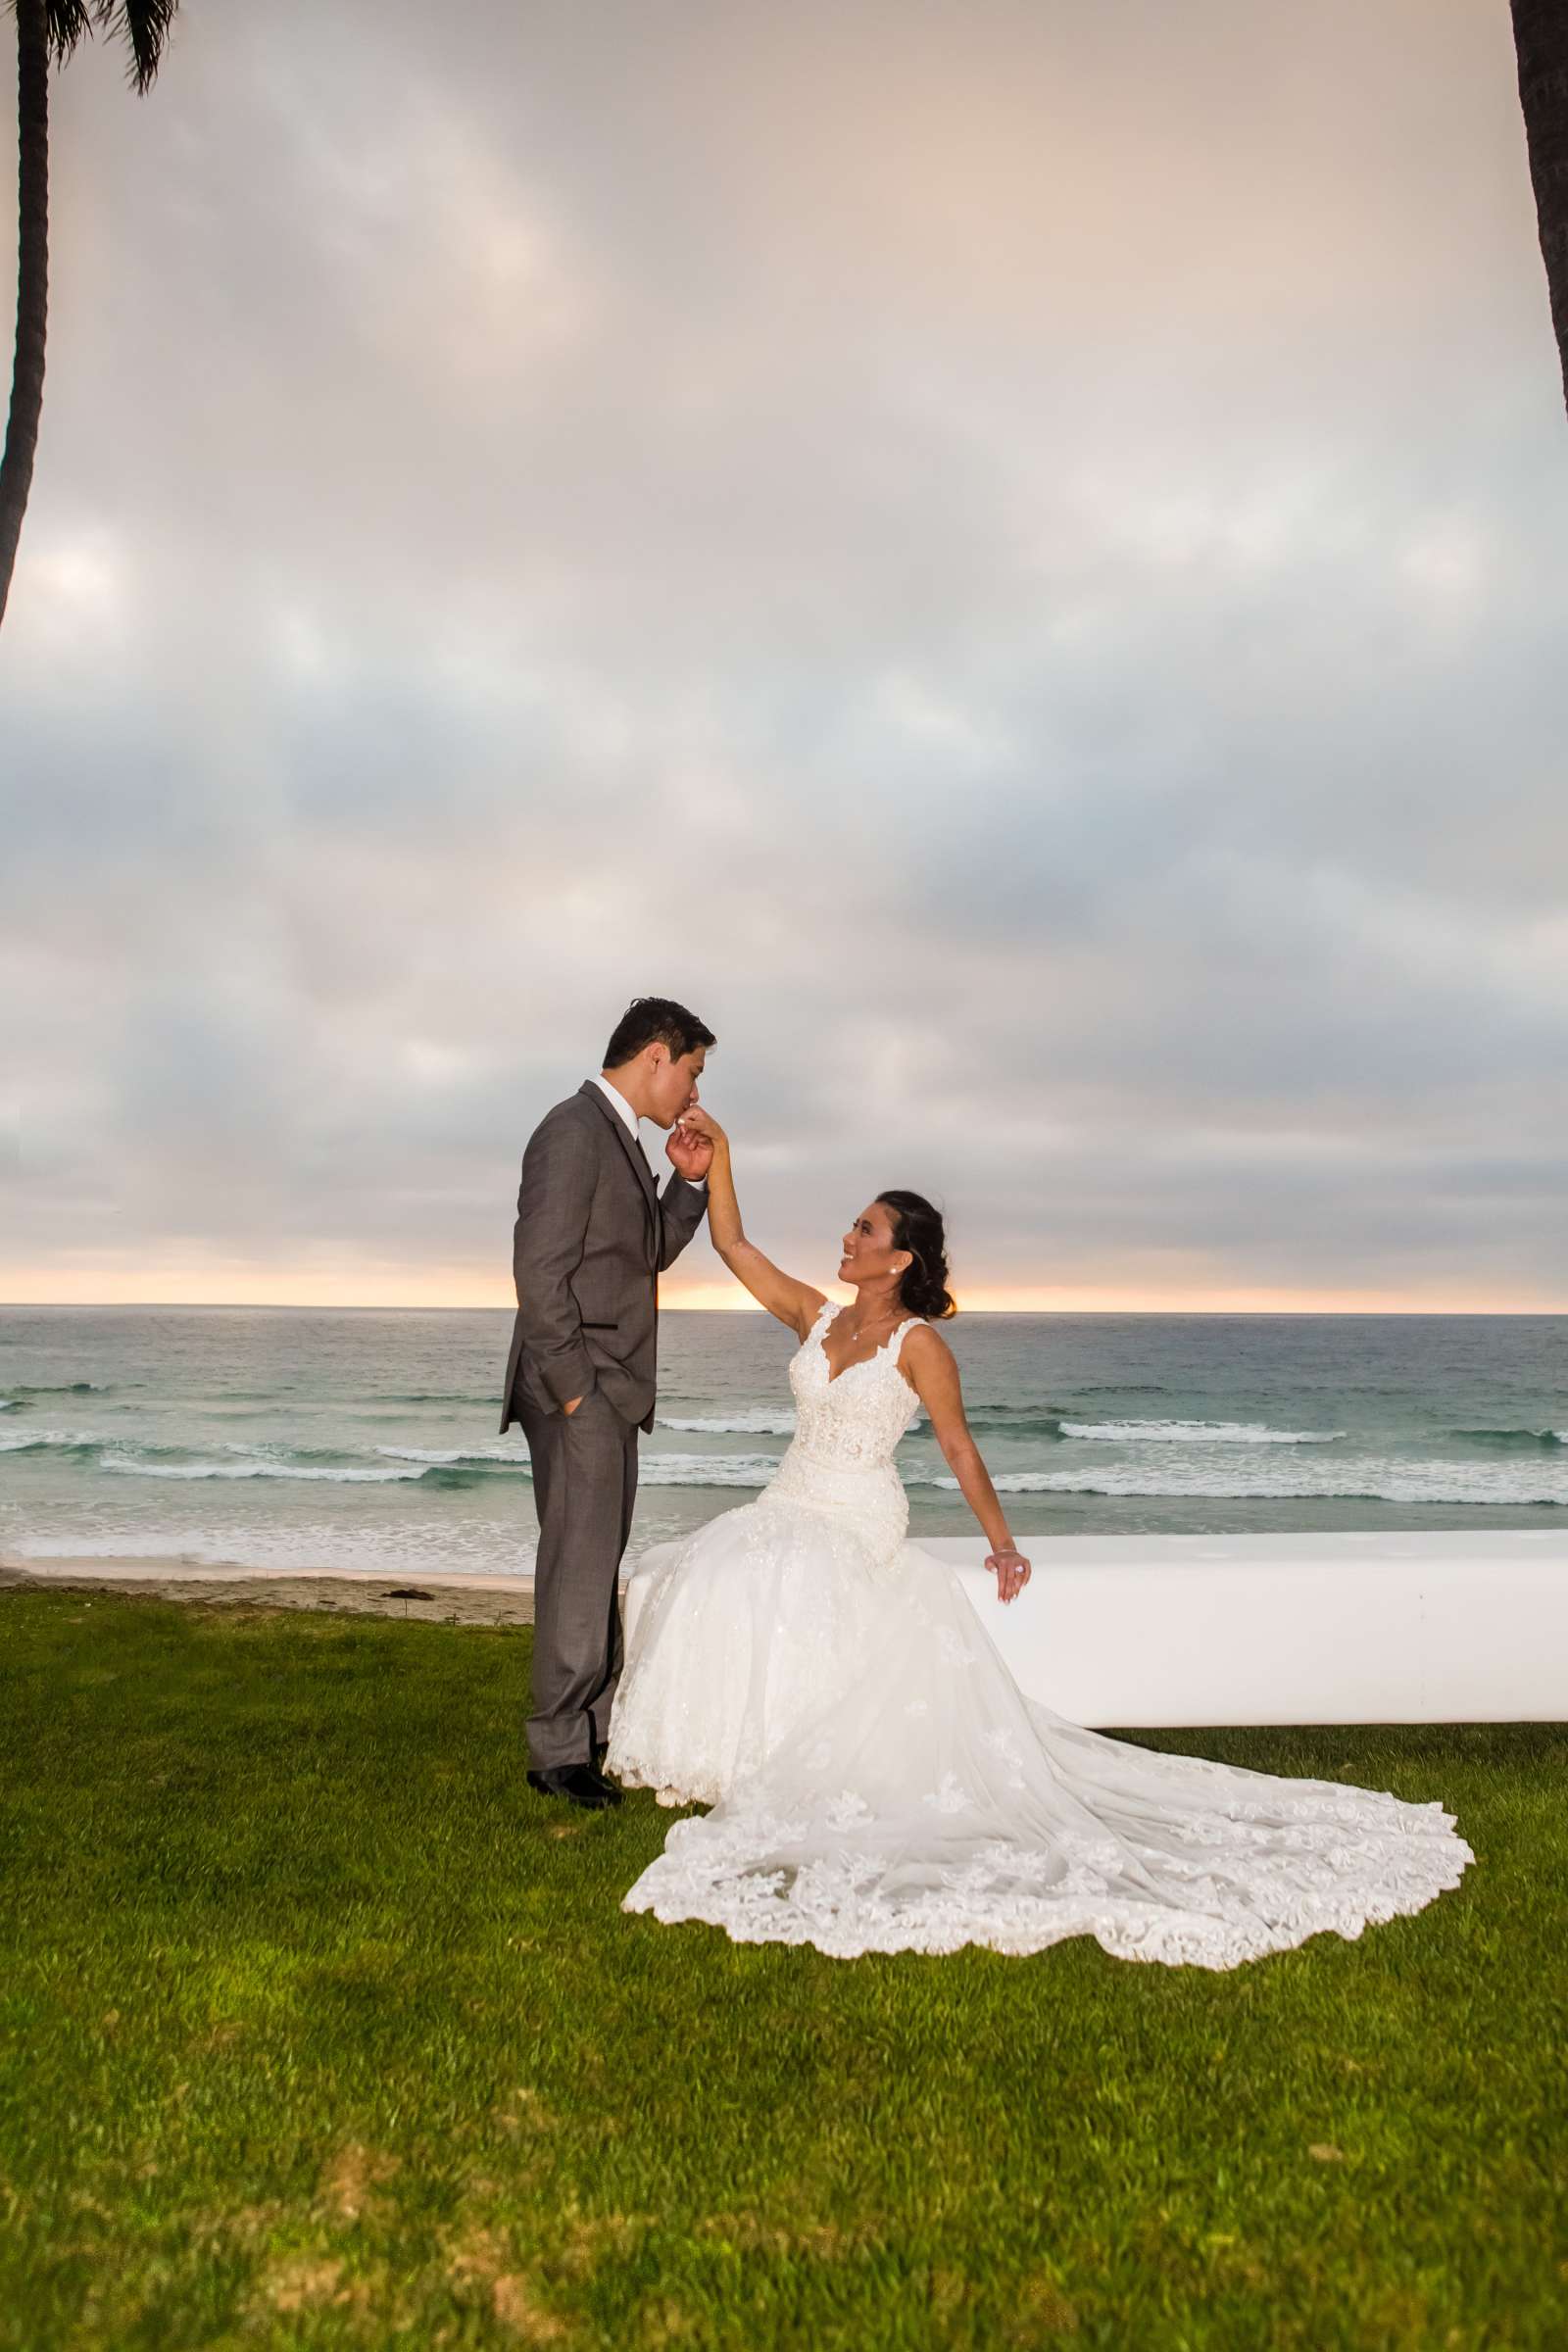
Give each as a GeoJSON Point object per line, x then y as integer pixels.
{"type": "Point", "coordinates": [577, 1782]}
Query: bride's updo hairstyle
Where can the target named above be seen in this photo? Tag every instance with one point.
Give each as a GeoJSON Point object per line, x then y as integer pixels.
{"type": "Point", "coordinates": [918, 1227]}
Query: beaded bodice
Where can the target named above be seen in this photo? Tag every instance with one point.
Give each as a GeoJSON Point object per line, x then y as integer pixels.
{"type": "Point", "coordinates": [854, 1421]}
{"type": "Point", "coordinates": [840, 1461]}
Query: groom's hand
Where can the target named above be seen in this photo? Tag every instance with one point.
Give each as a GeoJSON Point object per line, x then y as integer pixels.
{"type": "Point", "coordinates": [689, 1153]}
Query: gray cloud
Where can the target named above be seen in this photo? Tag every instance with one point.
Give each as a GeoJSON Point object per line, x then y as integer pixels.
{"type": "Point", "coordinates": [1016, 565]}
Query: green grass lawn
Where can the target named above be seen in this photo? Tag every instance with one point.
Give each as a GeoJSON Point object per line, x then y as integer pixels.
{"type": "Point", "coordinates": [318, 2028]}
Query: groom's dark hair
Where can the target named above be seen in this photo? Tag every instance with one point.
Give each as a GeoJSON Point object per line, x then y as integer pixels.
{"type": "Point", "coordinates": [649, 1017]}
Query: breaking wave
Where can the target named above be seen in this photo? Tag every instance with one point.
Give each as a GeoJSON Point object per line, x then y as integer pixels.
{"type": "Point", "coordinates": [751, 1421]}
{"type": "Point", "coordinates": [332, 1474]}
{"type": "Point", "coordinates": [1512, 1441]}
{"type": "Point", "coordinates": [37, 1441]}
{"type": "Point", "coordinates": [1197, 1433]}
{"type": "Point", "coordinates": [707, 1469]}
{"type": "Point", "coordinates": [1365, 1481]}
{"type": "Point", "coordinates": [443, 1457]}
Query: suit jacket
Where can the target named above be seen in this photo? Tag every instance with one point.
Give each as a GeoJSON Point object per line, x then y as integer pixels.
{"type": "Point", "coordinates": [592, 1237]}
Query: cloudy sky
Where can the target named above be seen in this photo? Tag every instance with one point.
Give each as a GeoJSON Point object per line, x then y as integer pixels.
{"type": "Point", "coordinates": [1013, 556]}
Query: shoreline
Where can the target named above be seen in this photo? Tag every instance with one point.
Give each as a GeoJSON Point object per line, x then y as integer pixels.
{"type": "Point", "coordinates": [442, 1598]}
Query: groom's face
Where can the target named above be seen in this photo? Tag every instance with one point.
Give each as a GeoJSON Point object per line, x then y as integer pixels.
{"type": "Point", "coordinates": [673, 1086]}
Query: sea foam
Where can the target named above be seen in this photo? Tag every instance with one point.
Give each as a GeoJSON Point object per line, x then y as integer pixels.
{"type": "Point", "coordinates": [130, 1467]}
{"type": "Point", "coordinates": [1367, 1480]}
{"type": "Point", "coordinates": [751, 1421]}
{"type": "Point", "coordinates": [443, 1457]}
{"type": "Point", "coordinates": [1197, 1433]}
{"type": "Point", "coordinates": [707, 1469]}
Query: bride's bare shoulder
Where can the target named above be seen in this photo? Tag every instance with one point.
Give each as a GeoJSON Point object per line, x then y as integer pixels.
{"type": "Point", "coordinates": [926, 1353]}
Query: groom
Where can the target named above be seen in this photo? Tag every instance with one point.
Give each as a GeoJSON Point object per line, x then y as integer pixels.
{"type": "Point", "coordinates": [593, 1234]}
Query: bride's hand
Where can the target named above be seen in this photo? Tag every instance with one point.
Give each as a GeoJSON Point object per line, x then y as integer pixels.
{"type": "Point", "coordinates": [1012, 1572]}
{"type": "Point", "coordinates": [694, 1141]}
{"type": "Point", "coordinates": [700, 1122]}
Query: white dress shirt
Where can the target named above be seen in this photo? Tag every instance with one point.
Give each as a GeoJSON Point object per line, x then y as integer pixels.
{"type": "Point", "coordinates": [613, 1095]}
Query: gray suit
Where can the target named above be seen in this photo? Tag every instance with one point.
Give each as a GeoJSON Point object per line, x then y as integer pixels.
{"type": "Point", "coordinates": [593, 1234]}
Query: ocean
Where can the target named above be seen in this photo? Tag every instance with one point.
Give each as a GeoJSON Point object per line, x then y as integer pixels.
{"type": "Point", "coordinates": [292, 1439]}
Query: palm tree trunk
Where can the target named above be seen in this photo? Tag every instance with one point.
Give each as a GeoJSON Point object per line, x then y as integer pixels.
{"type": "Point", "coordinates": [1541, 45]}
{"type": "Point", "coordinates": [33, 278]}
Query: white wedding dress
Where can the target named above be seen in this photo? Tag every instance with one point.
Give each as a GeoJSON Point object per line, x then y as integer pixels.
{"type": "Point", "coordinates": [879, 1783]}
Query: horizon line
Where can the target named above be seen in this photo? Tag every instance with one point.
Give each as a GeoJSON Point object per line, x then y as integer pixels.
{"type": "Point", "coordinates": [384, 1306]}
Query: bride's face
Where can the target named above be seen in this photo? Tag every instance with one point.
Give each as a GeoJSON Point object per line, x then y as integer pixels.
{"type": "Point", "coordinates": [870, 1253]}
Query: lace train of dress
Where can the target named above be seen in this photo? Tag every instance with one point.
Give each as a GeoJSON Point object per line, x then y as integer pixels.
{"type": "Point", "coordinates": [879, 1783]}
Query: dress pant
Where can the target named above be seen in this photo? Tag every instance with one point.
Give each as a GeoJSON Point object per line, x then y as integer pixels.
{"type": "Point", "coordinates": [584, 1488]}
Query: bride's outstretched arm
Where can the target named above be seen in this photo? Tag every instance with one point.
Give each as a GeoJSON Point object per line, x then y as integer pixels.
{"type": "Point", "coordinates": [929, 1362]}
{"type": "Point", "coordinates": [794, 1302]}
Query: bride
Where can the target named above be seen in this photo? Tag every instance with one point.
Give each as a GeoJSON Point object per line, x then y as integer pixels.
{"type": "Point", "coordinates": [877, 1781]}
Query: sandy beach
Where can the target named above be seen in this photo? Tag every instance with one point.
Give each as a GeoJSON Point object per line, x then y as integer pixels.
{"type": "Point", "coordinates": [363, 1592]}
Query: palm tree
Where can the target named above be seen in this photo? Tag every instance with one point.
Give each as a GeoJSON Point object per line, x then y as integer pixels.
{"type": "Point", "coordinates": [1541, 45]}
{"type": "Point", "coordinates": [48, 32]}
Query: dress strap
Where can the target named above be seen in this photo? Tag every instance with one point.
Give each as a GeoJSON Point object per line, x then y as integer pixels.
{"type": "Point", "coordinates": [896, 1343]}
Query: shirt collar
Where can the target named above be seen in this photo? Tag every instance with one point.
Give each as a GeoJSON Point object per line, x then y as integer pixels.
{"type": "Point", "coordinates": [620, 1103]}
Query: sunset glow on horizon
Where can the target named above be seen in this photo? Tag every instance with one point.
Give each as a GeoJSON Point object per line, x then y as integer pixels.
{"type": "Point", "coordinates": [435, 1289]}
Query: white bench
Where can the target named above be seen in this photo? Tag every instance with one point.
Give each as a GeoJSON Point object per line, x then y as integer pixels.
{"type": "Point", "coordinates": [1177, 1630]}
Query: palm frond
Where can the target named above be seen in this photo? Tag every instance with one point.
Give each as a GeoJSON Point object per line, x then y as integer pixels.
{"type": "Point", "coordinates": [69, 23]}
{"type": "Point", "coordinates": [143, 25]}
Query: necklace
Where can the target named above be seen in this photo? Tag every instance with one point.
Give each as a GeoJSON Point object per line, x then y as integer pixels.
{"type": "Point", "coordinates": [859, 1331]}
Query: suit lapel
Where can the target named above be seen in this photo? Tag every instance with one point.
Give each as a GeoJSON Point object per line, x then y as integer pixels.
{"type": "Point", "coordinates": [639, 1166]}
